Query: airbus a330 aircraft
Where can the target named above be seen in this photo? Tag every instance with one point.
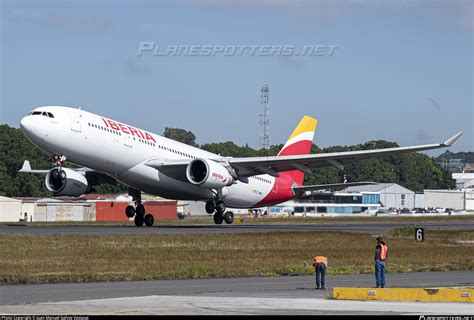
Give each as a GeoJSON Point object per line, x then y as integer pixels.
{"type": "Point", "coordinates": [112, 151]}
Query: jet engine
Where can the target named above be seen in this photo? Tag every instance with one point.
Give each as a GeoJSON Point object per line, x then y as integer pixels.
{"type": "Point", "coordinates": [208, 174]}
{"type": "Point", "coordinates": [66, 182]}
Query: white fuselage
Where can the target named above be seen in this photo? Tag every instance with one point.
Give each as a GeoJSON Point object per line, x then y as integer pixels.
{"type": "Point", "coordinates": [120, 151]}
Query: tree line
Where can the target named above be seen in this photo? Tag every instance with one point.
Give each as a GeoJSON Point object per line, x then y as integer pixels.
{"type": "Point", "coordinates": [412, 170]}
{"type": "Point", "coordinates": [465, 157]}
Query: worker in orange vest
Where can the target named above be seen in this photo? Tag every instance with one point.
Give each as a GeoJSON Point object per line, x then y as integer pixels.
{"type": "Point", "coordinates": [380, 258]}
{"type": "Point", "coordinates": [320, 264]}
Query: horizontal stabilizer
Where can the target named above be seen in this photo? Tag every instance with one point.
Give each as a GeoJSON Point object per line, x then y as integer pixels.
{"type": "Point", "coordinates": [94, 177]}
{"type": "Point", "coordinates": [26, 168]}
{"type": "Point", "coordinates": [300, 191]}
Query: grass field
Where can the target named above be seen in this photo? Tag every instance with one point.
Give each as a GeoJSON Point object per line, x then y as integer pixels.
{"type": "Point", "coordinates": [81, 258]}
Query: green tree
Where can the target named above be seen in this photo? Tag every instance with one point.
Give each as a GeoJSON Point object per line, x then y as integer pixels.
{"type": "Point", "coordinates": [14, 149]}
{"type": "Point", "coordinates": [181, 135]}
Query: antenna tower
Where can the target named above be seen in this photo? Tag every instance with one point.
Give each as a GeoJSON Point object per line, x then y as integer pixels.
{"type": "Point", "coordinates": [264, 119]}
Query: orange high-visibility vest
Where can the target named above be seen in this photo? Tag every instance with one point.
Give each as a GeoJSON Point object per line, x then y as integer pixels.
{"type": "Point", "coordinates": [320, 259]}
{"type": "Point", "coordinates": [383, 252]}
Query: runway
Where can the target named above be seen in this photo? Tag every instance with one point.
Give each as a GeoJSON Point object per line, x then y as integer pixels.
{"type": "Point", "coordinates": [253, 295]}
{"type": "Point", "coordinates": [359, 227]}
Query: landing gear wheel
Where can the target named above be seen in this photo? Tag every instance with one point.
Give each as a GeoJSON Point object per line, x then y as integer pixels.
{"type": "Point", "coordinates": [149, 220]}
{"type": "Point", "coordinates": [220, 207]}
{"type": "Point", "coordinates": [140, 210]}
{"type": "Point", "coordinates": [229, 217]}
{"type": "Point", "coordinates": [210, 207]}
{"type": "Point", "coordinates": [218, 218]}
{"type": "Point", "coordinates": [130, 211]}
{"type": "Point", "coordinates": [138, 220]}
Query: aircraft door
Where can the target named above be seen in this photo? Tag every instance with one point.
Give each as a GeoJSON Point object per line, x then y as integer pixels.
{"type": "Point", "coordinates": [127, 141]}
{"type": "Point", "coordinates": [75, 121]}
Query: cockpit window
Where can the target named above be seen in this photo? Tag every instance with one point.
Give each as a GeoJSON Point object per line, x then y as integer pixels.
{"type": "Point", "coordinates": [44, 114]}
{"type": "Point", "coordinates": [36, 113]}
{"type": "Point", "coordinates": [50, 115]}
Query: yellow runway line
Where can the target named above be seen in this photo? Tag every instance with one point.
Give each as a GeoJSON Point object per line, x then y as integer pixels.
{"type": "Point", "coordinates": [405, 294]}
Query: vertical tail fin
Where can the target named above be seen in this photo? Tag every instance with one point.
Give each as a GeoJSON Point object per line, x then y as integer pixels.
{"type": "Point", "coordinates": [299, 142]}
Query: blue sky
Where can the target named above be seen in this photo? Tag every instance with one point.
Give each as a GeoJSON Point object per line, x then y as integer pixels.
{"type": "Point", "coordinates": [402, 70]}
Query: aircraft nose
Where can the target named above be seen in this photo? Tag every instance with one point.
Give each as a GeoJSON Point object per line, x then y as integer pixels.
{"type": "Point", "coordinates": [26, 125]}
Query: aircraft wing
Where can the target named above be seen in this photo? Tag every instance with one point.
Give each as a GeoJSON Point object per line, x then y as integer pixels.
{"type": "Point", "coordinates": [299, 191]}
{"type": "Point", "coordinates": [246, 167]}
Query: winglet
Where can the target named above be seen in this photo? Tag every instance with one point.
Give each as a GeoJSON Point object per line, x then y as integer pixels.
{"type": "Point", "coordinates": [451, 141]}
{"type": "Point", "coordinates": [26, 166]}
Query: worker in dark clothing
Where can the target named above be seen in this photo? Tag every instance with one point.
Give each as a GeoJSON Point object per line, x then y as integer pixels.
{"type": "Point", "coordinates": [380, 258]}
{"type": "Point", "coordinates": [23, 218]}
{"type": "Point", "coordinates": [320, 264]}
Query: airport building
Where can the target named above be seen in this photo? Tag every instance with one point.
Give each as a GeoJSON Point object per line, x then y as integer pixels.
{"type": "Point", "coordinates": [96, 208]}
{"type": "Point", "coordinates": [366, 199]}
{"type": "Point", "coordinates": [393, 195]}
{"type": "Point", "coordinates": [464, 180]}
{"type": "Point", "coordinates": [10, 209]}
{"type": "Point", "coordinates": [462, 199]}
{"type": "Point", "coordinates": [328, 203]}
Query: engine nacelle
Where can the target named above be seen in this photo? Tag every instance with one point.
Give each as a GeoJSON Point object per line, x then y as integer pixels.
{"type": "Point", "coordinates": [208, 174]}
{"type": "Point", "coordinates": [66, 182]}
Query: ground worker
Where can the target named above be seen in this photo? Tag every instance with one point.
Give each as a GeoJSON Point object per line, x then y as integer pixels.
{"type": "Point", "coordinates": [380, 258]}
{"type": "Point", "coordinates": [320, 264]}
{"type": "Point", "coordinates": [23, 218]}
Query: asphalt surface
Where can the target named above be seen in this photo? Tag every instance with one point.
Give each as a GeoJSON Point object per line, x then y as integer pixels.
{"type": "Point", "coordinates": [372, 228]}
{"type": "Point", "coordinates": [252, 295]}
{"type": "Point", "coordinates": [282, 286]}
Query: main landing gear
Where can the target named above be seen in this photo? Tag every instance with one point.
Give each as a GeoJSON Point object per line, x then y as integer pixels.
{"type": "Point", "coordinates": [218, 208]}
{"type": "Point", "coordinates": [139, 210]}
